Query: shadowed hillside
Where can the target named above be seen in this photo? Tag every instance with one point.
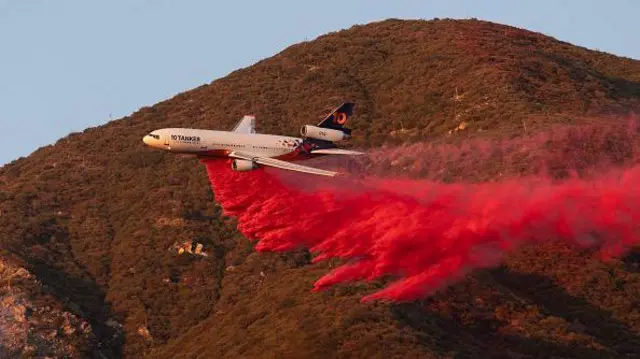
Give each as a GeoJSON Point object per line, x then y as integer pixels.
{"type": "Point", "coordinates": [96, 217]}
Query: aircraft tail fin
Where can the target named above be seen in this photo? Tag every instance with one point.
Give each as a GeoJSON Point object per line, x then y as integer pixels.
{"type": "Point", "coordinates": [339, 117]}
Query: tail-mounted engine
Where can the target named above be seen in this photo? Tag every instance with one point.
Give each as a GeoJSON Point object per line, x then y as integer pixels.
{"type": "Point", "coordinates": [324, 134]}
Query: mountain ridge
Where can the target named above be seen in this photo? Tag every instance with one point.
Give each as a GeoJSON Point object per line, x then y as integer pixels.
{"type": "Point", "coordinates": [82, 215]}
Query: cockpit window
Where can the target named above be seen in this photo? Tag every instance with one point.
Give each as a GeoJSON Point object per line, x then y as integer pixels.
{"type": "Point", "coordinates": [157, 137]}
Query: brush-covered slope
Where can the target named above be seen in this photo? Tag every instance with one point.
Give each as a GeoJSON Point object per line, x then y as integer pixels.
{"type": "Point", "coordinates": [94, 217]}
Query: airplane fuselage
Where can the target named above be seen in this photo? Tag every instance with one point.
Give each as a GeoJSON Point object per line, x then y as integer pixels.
{"type": "Point", "coordinates": [250, 150]}
{"type": "Point", "coordinates": [211, 143]}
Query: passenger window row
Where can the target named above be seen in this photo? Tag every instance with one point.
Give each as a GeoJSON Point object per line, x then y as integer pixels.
{"type": "Point", "coordinates": [244, 146]}
{"type": "Point", "coordinates": [228, 145]}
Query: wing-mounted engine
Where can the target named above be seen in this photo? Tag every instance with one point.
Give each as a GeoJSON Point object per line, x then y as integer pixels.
{"type": "Point", "coordinates": [243, 165]}
{"type": "Point", "coordinates": [324, 134]}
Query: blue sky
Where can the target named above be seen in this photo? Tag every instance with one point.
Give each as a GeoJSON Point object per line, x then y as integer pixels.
{"type": "Point", "coordinates": [68, 65]}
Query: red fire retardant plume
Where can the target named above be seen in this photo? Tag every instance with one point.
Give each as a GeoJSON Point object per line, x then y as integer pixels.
{"type": "Point", "coordinates": [425, 233]}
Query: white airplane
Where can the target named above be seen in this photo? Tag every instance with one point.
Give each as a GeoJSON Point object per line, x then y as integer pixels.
{"type": "Point", "coordinates": [250, 149]}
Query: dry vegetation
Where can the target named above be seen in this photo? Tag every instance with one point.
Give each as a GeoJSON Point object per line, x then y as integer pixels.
{"type": "Point", "coordinates": [94, 216]}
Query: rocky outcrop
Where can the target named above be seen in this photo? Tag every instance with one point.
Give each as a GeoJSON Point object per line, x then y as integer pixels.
{"type": "Point", "coordinates": [31, 327]}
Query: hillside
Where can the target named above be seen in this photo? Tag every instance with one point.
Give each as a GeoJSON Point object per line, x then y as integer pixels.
{"type": "Point", "coordinates": [94, 217]}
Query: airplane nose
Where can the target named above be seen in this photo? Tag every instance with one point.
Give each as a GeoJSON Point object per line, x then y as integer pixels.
{"type": "Point", "coordinates": [145, 139]}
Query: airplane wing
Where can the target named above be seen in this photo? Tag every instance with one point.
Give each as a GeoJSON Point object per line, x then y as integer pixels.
{"type": "Point", "coordinates": [247, 124]}
{"type": "Point", "coordinates": [336, 151]}
{"type": "Point", "coordinates": [272, 162]}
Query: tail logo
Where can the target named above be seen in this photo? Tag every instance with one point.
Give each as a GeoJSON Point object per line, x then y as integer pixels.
{"type": "Point", "coordinates": [340, 118]}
